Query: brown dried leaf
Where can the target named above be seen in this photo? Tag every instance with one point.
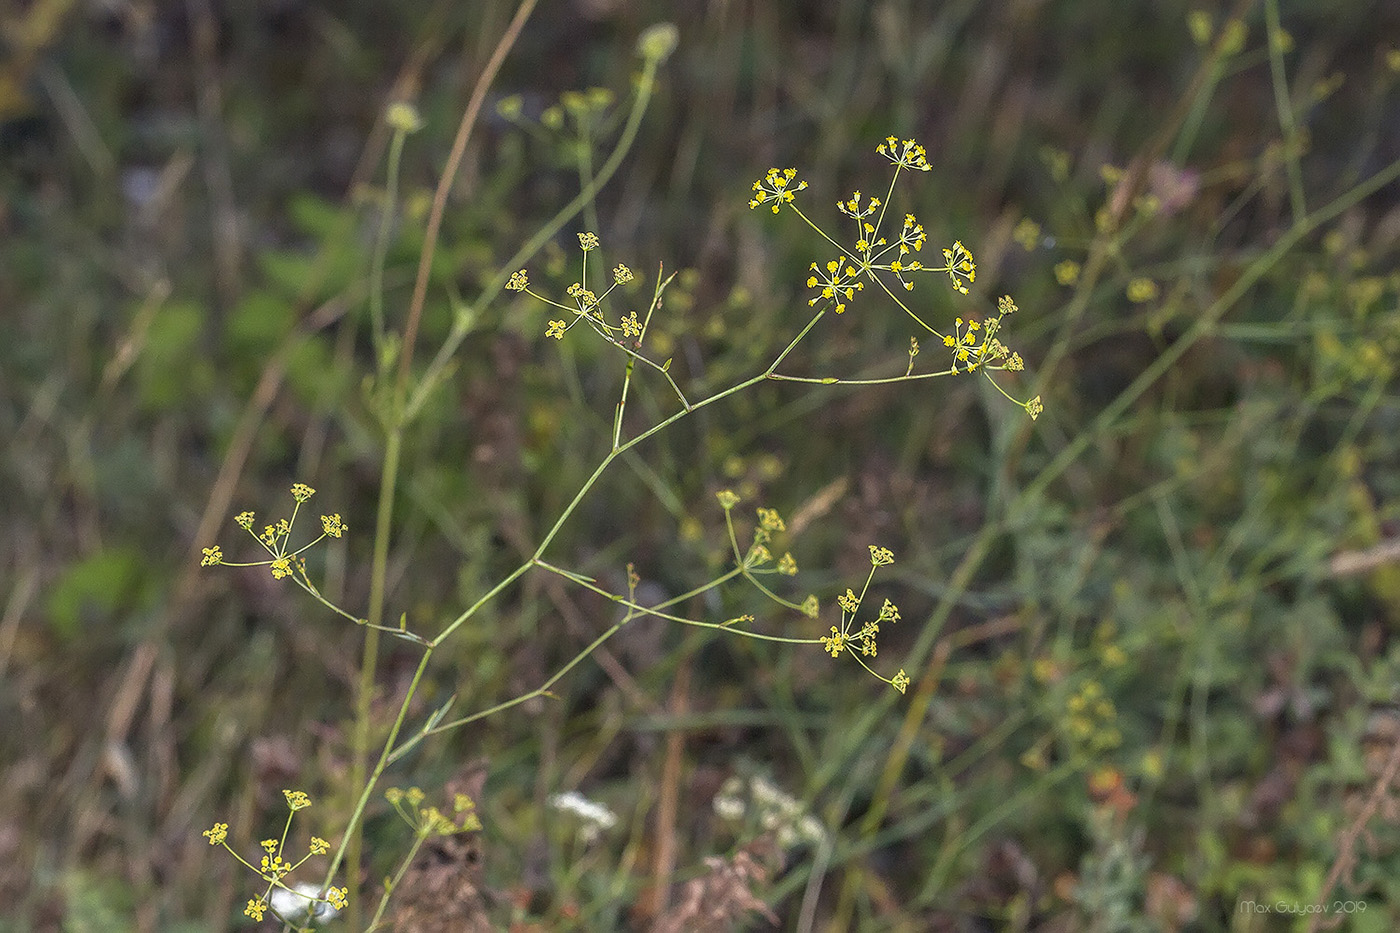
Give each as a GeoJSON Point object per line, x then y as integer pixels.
{"type": "Point", "coordinates": [717, 900]}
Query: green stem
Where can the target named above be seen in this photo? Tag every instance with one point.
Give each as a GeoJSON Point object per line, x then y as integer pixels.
{"type": "Point", "coordinates": [356, 821]}
{"type": "Point", "coordinates": [645, 85]}
{"type": "Point", "coordinates": [386, 218]}
{"type": "Point", "coordinates": [418, 840]}
{"type": "Point", "coordinates": [369, 661]}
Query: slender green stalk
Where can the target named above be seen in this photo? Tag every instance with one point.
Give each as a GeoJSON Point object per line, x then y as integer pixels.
{"type": "Point", "coordinates": [1292, 152]}
{"type": "Point", "coordinates": [637, 609]}
{"type": "Point", "coordinates": [356, 821]}
{"type": "Point", "coordinates": [602, 468]}
{"type": "Point", "coordinates": [418, 839]}
{"type": "Point", "coordinates": [541, 690]}
{"type": "Point", "coordinates": [369, 661]}
{"type": "Point", "coordinates": [386, 220]}
{"type": "Point", "coordinates": [646, 84]}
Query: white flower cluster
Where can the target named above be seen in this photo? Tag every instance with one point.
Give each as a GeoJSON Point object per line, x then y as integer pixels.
{"type": "Point", "coordinates": [772, 808]}
{"type": "Point", "coordinates": [595, 816]}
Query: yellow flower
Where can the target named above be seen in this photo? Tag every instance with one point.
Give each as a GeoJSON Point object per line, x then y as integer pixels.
{"type": "Point", "coordinates": [838, 281]}
{"type": "Point", "coordinates": [519, 281]}
{"type": "Point", "coordinates": [659, 41]}
{"type": "Point", "coordinates": [333, 526]}
{"type": "Point", "coordinates": [216, 834]}
{"type": "Point", "coordinates": [908, 155]}
{"type": "Point", "coordinates": [301, 492]}
{"type": "Point", "coordinates": [403, 117]}
{"type": "Point", "coordinates": [1141, 290]}
{"type": "Point", "coordinates": [777, 187]}
{"type": "Point", "coordinates": [961, 269]}
{"type": "Point", "coordinates": [835, 643]}
{"type": "Point", "coordinates": [588, 241]}
{"type": "Point", "coordinates": [297, 799]}
{"type": "Point", "coordinates": [212, 556]}
{"type": "Point", "coordinates": [770, 520]}
{"type": "Point", "coordinates": [255, 909]}
{"type": "Point", "coordinates": [274, 867]}
{"type": "Point", "coordinates": [1027, 233]}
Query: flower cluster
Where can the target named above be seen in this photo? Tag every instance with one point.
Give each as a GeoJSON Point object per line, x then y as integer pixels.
{"type": "Point", "coordinates": [776, 187]}
{"type": "Point", "coordinates": [770, 524]}
{"type": "Point", "coordinates": [430, 821]}
{"type": "Point", "coordinates": [908, 155]}
{"type": "Point", "coordinates": [771, 808]}
{"type": "Point", "coordinates": [837, 280]}
{"type": "Point", "coordinates": [594, 818]}
{"type": "Point", "coordinates": [961, 269]}
{"type": "Point", "coordinates": [585, 305]}
{"type": "Point", "coordinates": [755, 561]}
{"type": "Point", "coordinates": [285, 901]}
{"type": "Point", "coordinates": [860, 641]}
{"type": "Point", "coordinates": [888, 262]}
{"type": "Point", "coordinates": [274, 537]}
{"type": "Point", "coordinates": [1090, 723]}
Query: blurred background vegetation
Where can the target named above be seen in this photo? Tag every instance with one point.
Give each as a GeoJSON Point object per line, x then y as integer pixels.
{"type": "Point", "coordinates": [1150, 635]}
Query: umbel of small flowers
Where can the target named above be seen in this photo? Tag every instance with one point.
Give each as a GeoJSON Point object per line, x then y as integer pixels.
{"type": "Point", "coordinates": [274, 538]}
{"type": "Point", "coordinates": [284, 561]}
{"type": "Point", "coordinates": [430, 821]}
{"type": "Point", "coordinates": [859, 641]}
{"type": "Point", "coordinates": [274, 869]}
{"type": "Point", "coordinates": [427, 822]}
{"type": "Point", "coordinates": [757, 560]}
{"type": "Point", "coordinates": [887, 260]}
{"type": "Point", "coordinates": [586, 306]}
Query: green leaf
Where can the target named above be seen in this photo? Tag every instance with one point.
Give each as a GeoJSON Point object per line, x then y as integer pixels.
{"type": "Point", "coordinates": [170, 370]}
{"type": "Point", "coordinates": [96, 905]}
{"type": "Point", "coordinates": [96, 586]}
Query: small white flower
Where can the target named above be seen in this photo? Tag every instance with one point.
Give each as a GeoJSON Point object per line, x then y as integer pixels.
{"type": "Point", "coordinates": [299, 903]}
{"type": "Point", "coordinates": [773, 809]}
{"type": "Point", "coordinates": [727, 804]}
{"type": "Point", "coordinates": [595, 816]}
